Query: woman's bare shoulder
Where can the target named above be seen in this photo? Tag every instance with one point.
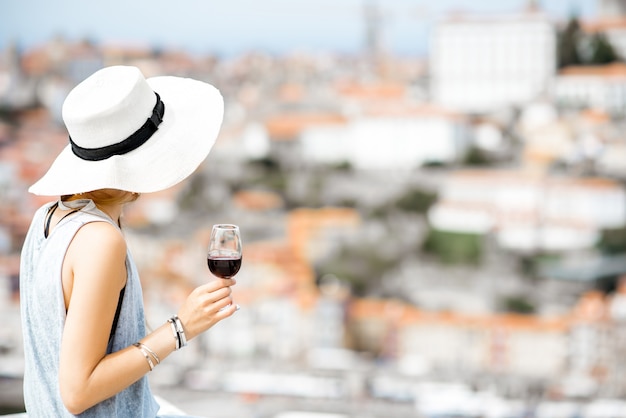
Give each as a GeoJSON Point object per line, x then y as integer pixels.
{"type": "Point", "coordinates": [98, 246]}
{"type": "Point", "coordinates": [100, 234]}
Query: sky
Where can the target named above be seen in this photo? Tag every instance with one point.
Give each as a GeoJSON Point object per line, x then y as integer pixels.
{"type": "Point", "coordinates": [230, 27]}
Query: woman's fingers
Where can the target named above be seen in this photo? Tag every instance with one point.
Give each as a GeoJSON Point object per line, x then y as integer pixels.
{"type": "Point", "coordinates": [216, 303]}
{"type": "Point", "coordinates": [227, 310]}
{"type": "Point", "coordinates": [215, 285]}
{"type": "Point", "coordinates": [207, 305]}
{"type": "Point", "coordinates": [215, 296]}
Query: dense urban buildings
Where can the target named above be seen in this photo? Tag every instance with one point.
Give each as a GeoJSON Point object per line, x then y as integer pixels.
{"type": "Point", "coordinates": [440, 236]}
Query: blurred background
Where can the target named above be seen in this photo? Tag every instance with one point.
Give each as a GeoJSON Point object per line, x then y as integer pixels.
{"type": "Point", "coordinates": [431, 196]}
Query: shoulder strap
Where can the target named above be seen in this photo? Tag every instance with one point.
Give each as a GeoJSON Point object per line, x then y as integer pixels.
{"type": "Point", "coordinates": [117, 312]}
{"type": "Point", "coordinates": [51, 210]}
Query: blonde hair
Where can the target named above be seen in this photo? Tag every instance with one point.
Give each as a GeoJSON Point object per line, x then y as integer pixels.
{"type": "Point", "coordinates": [104, 196]}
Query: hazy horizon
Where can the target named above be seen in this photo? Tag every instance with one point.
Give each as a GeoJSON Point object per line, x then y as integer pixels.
{"type": "Point", "coordinates": [274, 26]}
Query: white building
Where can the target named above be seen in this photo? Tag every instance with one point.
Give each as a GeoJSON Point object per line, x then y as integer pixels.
{"type": "Point", "coordinates": [598, 87]}
{"type": "Point", "coordinates": [528, 212]}
{"type": "Point", "coordinates": [401, 140]}
{"type": "Point", "coordinates": [479, 64]}
{"type": "Point", "coordinates": [517, 345]}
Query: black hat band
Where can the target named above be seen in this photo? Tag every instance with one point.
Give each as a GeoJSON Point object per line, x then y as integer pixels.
{"type": "Point", "coordinates": [134, 141]}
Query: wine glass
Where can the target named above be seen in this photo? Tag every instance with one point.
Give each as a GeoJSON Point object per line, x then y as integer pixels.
{"type": "Point", "coordinates": [224, 253]}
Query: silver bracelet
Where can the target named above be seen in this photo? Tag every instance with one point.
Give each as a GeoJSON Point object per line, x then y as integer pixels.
{"type": "Point", "coordinates": [145, 354]}
{"type": "Point", "coordinates": [180, 331]}
{"type": "Point", "coordinates": [175, 333]}
{"type": "Point", "coordinates": [152, 353]}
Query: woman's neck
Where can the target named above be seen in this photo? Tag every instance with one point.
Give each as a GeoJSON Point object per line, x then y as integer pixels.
{"type": "Point", "coordinates": [109, 201]}
{"type": "Point", "coordinates": [114, 211]}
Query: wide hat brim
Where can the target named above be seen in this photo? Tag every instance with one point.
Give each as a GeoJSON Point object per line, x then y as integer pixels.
{"type": "Point", "coordinates": [194, 112]}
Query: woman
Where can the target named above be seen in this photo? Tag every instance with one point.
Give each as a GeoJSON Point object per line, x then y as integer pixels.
{"type": "Point", "coordinates": [86, 349]}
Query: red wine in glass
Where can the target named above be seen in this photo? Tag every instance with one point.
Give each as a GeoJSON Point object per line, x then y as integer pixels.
{"type": "Point", "coordinates": [224, 267]}
{"type": "Point", "coordinates": [224, 253]}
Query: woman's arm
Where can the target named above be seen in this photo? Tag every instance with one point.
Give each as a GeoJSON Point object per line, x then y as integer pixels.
{"type": "Point", "coordinates": [94, 272]}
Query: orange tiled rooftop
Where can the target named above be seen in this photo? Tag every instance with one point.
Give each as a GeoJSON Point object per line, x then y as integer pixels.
{"type": "Point", "coordinates": [614, 70]}
{"type": "Point", "coordinates": [287, 126]}
{"type": "Point", "coordinates": [604, 24]}
{"type": "Point", "coordinates": [258, 200]}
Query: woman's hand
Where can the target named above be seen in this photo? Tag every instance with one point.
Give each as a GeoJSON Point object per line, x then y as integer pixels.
{"type": "Point", "coordinates": [206, 305]}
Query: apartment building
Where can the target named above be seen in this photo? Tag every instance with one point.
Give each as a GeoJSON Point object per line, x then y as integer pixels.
{"type": "Point", "coordinates": [601, 87]}
{"type": "Point", "coordinates": [527, 211]}
{"type": "Point", "coordinates": [377, 128]}
{"type": "Point", "coordinates": [480, 64]}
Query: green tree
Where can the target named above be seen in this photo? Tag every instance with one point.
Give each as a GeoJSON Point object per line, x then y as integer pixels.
{"type": "Point", "coordinates": [361, 266]}
{"type": "Point", "coordinates": [416, 200]}
{"type": "Point", "coordinates": [454, 247]}
{"type": "Point", "coordinates": [518, 304]}
{"type": "Point", "coordinates": [568, 46]}
{"type": "Point", "coordinates": [476, 157]}
{"type": "Point", "coordinates": [613, 241]}
{"type": "Point", "coordinates": [602, 52]}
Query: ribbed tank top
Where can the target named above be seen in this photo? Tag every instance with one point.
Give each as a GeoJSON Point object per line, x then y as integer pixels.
{"type": "Point", "coordinates": [43, 318]}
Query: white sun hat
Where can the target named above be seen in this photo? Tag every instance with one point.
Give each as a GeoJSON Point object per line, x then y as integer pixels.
{"type": "Point", "coordinates": [132, 133]}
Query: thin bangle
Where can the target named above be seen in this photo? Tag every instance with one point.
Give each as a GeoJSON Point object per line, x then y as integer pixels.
{"type": "Point", "coordinates": [146, 355]}
{"type": "Point", "coordinates": [149, 350]}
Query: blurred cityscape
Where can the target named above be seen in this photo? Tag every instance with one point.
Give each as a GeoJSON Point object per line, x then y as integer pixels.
{"type": "Point", "coordinates": [423, 237]}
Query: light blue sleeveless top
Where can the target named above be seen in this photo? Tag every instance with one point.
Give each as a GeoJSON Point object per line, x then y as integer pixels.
{"type": "Point", "coordinates": [43, 319]}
